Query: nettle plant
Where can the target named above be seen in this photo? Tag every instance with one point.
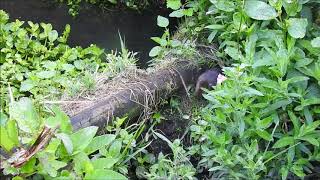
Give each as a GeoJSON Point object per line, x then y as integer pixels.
{"type": "Point", "coordinates": [264, 121]}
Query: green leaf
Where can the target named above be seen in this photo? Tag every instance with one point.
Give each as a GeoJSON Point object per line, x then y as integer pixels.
{"type": "Point", "coordinates": [155, 51]}
{"type": "Point", "coordinates": [310, 140]}
{"type": "Point", "coordinates": [177, 13]}
{"type": "Point", "coordinates": [104, 163]}
{"type": "Point", "coordinates": [188, 12]}
{"type": "Point", "coordinates": [27, 85]}
{"type": "Point", "coordinates": [173, 4]}
{"type": "Point", "coordinates": [259, 10]}
{"type": "Point", "coordinates": [46, 74]}
{"type": "Point", "coordinates": [99, 142]}
{"type": "Point", "coordinates": [104, 174]}
{"type": "Point", "coordinates": [284, 141]}
{"type": "Point", "coordinates": [3, 119]}
{"type": "Point", "coordinates": [65, 138]}
{"type": "Point", "coordinates": [275, 106]}
{"type": "Point", "coordinates": [315, 42]}
{"type": "Point", "coordinates": [297, 27]}
{"type": "Point", "coordinates": [25, 115]}
{"type": "Point", "coordinates": [227, 6]}
{"type": "Point", "coordinates": [115, 149]}
{"type": "Point", "coordinates": [265, 123]}
{"type": "Point", "coordinates": [212, 35]}
{"type": "Point", "coordinates": [264, 134]}
{"type": "Point", "coordinates": [82, 138]}
{"type": "Point", "coordinates": [215, 26]}
{"type": "Point", "coordinates": [162, 21]}
{"type": "Point", "coordinates": [233, 52]}
{"type": "Point", "coordinates": [5, 141]}
{"type": "Point", "coordinates": [53, 35]}
{"type": "Point", "coordinates": [295, 122]}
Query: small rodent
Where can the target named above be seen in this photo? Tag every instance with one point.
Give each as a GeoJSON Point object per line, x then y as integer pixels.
{"type": "Point", "coordinates": [208, 79]}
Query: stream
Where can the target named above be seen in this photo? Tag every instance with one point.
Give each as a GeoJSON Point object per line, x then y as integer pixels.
{"type": "Point", "coordinates": [92, 25]}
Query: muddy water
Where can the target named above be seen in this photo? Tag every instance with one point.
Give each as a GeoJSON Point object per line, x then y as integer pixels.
{"type": "Point", "coordinates": [92, 26]}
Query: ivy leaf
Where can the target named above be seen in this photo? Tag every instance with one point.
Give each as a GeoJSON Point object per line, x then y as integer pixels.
{"type": "Point", "coordinates": [284, 141]}
{"type": "Point", "coordinates": [162, 21]}
{"type": "Point", "coordinates": [104, 174]}
{"type": "Point", "coordinates": [297, 27]}
{"type": "Point", "coordinates": [259, 10]}
{"type": "Point", "coordinates": [315, 42]}
{"type": "Point", "coordinates": [82, 138]}
{"type": "Point", "coordinates": [173, 4]}
{"type": "Point", "coordinates": [155, 51]}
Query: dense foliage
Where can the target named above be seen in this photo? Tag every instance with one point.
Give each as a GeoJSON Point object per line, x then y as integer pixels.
{"type": "Point", "coordinates": [262, 122]}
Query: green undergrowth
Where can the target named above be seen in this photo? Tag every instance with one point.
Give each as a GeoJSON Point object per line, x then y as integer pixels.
{"type": "Point", "coordinates": [263, 121]}
{"type": "Point", "coordinates": [37, 65]}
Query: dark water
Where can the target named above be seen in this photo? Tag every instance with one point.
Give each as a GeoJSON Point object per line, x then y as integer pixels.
{"type": "Point", "coordinates": [92, 26]}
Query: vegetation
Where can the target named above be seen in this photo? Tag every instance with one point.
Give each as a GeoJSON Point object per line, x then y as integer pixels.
{"type": "Point", "coordinates": [263, 122]}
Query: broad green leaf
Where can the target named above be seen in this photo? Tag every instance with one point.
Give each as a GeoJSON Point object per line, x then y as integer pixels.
{"type": "Point", "coordinates": [233, 52]}
{"type": "Point", "coordinates": [104, 174]}
{"type": "Point", "coordinates": [27, 85]}
{"type": "Point", "coordinates": [297, 27]}
{"type": "Point", "coordinates": [82, 138]}
{"type": "Point", "coordinates": [12, 130]}
{"type": "Point", "coordinates": [115, 149]}
{"type": "Point", "coordinates": [5, 141]}
{"type": "Point", "coordinates": [99, 142]}
{"type": "Point", "coordinates": [162, 21]}
{"type": "Point", "coordinates": [188, 12]}
{"type": "Point", "coordinates": [315, 42]}
{"type": "Point", "coordinates": [227, 6]}
{"type": "Point", "coordinates": [53, 35]}
{"type": "Point", "coordinates": [259, 10]}
{"type": "Point", "coordinates": [104, 163]}
{"type": "Point", "coordinates": [177, 13]}
{"type": "Point", "coordinates": [265, 123]}
{"type": "Point", "coordinates": [60, 120]}
{"type": "Point", "coordinates": [65, 138]}
{"type": "Point", "coordinates": [25, 115]}
{"type": "Point", "coordinates": [173, 4]}
{"type": "Point", "coordinates": [155, 51]}
{"type": "Point", "coordinates": [46, 74]}
{"type": "Point", "coordinates": [264, 134]}
{"type": "Point", "coordinates": [284, 141]}
{"type": "Point", "coordinates": [49, 165]}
